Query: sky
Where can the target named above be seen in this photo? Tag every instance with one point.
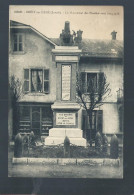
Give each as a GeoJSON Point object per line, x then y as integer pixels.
{"type": "Point", "coordinates": [96, 22]}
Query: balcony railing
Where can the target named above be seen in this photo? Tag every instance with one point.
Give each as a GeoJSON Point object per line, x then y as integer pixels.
{"type": "Point", "coordinates": [119, 95]}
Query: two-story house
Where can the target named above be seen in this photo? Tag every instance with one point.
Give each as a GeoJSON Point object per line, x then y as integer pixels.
{"type": "Point", "coordinates": [32, 60]}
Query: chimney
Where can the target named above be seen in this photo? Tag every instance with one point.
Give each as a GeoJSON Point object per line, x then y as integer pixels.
{"type": "Point", "coordinates": [78, 38]}
{"type": "Point", "coordinates": [113, 35]}
{"type": "Point", "coordinates": [67, 27]}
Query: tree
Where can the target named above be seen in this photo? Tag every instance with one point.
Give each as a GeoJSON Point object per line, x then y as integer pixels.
{"type": "Point", "coordinates": [91, 94]}
{"type": "Point", "coordinates": [15, 91]}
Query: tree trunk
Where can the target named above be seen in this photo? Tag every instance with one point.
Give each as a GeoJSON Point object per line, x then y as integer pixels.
{"type": "Point", "coordinates": [90, 125]}
{"type": "Point", "coordinates": [15, 119]}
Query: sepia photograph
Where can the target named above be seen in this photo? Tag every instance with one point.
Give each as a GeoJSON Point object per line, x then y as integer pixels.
{"type": "Point", "coordinates": [65, 91]}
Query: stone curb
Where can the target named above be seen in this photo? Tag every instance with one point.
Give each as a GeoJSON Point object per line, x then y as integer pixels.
{"type": "Point", "coordinates": [20, 161]}
{"type": "Point", "coordinates": [43, 161]}
{"type": "Point", "coordinates": [67, 161]}
{"type": "Point", "coordinates": [90, 161]}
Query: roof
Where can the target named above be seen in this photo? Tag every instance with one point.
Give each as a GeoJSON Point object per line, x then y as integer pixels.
{"type": "Point", "coordinates": [100, 48]}
{"type": "Point", "coordinates": [14, 24]}
{"type": "Point", "coordinates": [90, 47]}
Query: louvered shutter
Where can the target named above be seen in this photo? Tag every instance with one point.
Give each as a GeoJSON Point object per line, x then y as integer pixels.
{"type": "Point", "coordinates": [84, 123]}
{"type": "Point", "coordinates": [46, 81]}
{"type": "Point", "coordinates": [26, 80]}
{"type": "Point", "coordinates": [100, 78]}
{"type": "Point", "coordinates": [99, 120]}
{"type": "Point", "coordinates": [83, 82]}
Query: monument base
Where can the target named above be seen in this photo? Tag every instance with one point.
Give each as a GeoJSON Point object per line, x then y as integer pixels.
{"type": "Point", "coordinates": [57, 136]}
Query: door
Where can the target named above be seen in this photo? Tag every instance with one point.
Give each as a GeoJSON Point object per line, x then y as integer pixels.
{"type": "Point", "coordinates": [36, 120]}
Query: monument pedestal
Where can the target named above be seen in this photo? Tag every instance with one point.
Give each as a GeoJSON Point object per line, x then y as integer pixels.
{"type": "Point", "coordinates": [57, 136]}
{"type": "Point", "coordinates": [65, 124]}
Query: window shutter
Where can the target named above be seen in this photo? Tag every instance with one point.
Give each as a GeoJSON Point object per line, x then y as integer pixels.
{"type": "Point", "coordinates": [15, 42]}
{"type": "Point", "coordinates": [100, 79]}
{"type": "Point", "coordinates": [26, 80]}
{"type": "Point", "coordinates": [83, 82]}
{"type": "Point", "coordinates": [101, 75]}
{"type": "Point", "coordinates": [84, 123]}
{"type": "Point", "coordinates": [99, 120]}
{"type": "Point", "coordinates": [46, 81]}
{"type": "Point", "coordinates": [20, 42]}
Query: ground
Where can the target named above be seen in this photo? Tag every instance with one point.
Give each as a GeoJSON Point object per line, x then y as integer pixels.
{"type": "Point", "coordinates": [63, 171]}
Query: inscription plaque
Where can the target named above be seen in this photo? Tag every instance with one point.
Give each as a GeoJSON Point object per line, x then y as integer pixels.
{"type": "Point", "coordinates": [65, 119]}
{"type": "Point", "coordinates": [66, 77]}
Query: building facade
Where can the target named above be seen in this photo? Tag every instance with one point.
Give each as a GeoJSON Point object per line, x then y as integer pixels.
{"type": "Point", "coordinates": [47, 69]}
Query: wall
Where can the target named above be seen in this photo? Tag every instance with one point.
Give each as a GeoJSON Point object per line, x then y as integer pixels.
{"type": "Point", "coordinates": [37, 54]}
{"type": "Point", "coordinates": [110, 118]}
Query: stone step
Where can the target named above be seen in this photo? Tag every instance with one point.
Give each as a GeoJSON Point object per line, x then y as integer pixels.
{"type": "Point", "coordinates": [62, 132]}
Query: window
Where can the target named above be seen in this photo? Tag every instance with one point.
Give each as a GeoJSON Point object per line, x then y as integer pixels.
{"type": "Point", "coordinates": [25, 113]}
{"type": "Point", "coordinates": [39, 81]}
{"type": "Point", "coordinates": [90, 81]}
{"type": "Point", "coordinates": [17, 42]}
{"type": "Point", "coordinates": [36, 118]}
{"type": "Point", "coordinates": [36, 80]}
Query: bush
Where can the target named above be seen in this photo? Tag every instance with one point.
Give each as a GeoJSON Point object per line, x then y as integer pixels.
{"type": "Point", "coordinates": [114, 147]}
{"type": "Point", "coordinates": [66, 147]}
{"type": "Point", "coordinates": [18, 146]}
{"type": "Point", "coordinates": [25, 142]}
{"type": "Point", "coordinates": [32, 139]}
{"type": "Point", "coordinates": [98, 142]}
{"type": "Point", "coordinates": [105, 145]}
{"type": "Point", "coordinates": [25, 139]}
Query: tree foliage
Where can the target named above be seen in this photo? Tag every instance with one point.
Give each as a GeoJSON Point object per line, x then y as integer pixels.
{"type": "Point", "coordinates": [15, 92]}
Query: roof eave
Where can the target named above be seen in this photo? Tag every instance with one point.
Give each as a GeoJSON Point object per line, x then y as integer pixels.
{"type": "Point", "coordinates": [101, 56]}
{"type": "Point", "coordinates": [36, 31]}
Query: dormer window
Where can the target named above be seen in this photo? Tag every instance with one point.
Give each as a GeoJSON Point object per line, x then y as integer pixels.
{"type": "Point", "coordinates": [18, 45]}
